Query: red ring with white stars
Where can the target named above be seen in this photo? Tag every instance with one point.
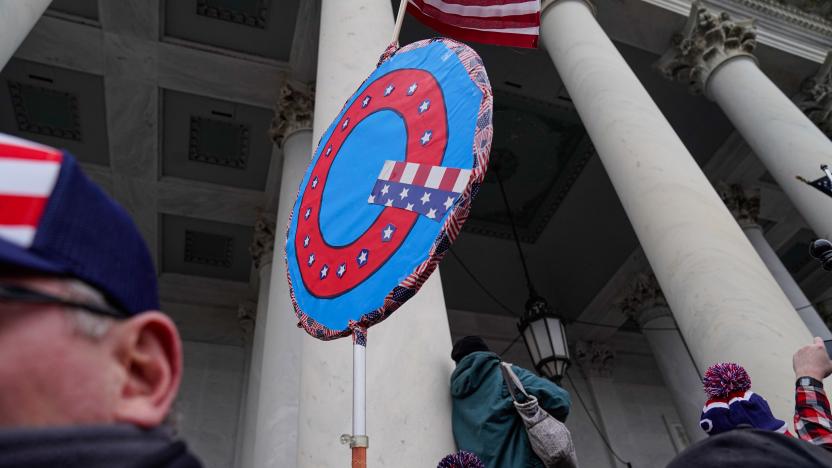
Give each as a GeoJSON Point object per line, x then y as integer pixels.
{"type": "Point", "coordinates": [326, 283]}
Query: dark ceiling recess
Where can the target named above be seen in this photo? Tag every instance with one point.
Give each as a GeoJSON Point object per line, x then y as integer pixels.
{"type": "Point", "coordinates": [45, 111]}
{"type": "Point", "coordinates": [57, 107]}
{"type": "Point", "coordinates": [201, 247]}
{"type": "Point", "coordinates": [208, 249]}
{"type": "Point", "coordinates": [257, 27]}
{"type": "Point", "coordinates": [795, 255]}
{"type": "Point", "coordinates": [252, 13]}
{"type": "Point", "coordinates": [215, 141]}
{"type": "Point", "coordinates": [84, 8]}
{"type": "Point", "coordinates": [540, 150]}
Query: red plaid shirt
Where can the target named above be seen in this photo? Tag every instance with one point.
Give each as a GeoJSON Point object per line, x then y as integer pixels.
{"type": "Point", "coordinates": [812, 416]}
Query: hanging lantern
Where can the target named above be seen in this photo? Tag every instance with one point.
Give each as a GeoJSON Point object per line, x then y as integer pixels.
{"type": "Point", "coordinates": [545, 336]}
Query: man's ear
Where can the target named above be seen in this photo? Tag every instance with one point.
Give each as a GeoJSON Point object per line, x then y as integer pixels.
{"type": "Point", "coordinates": [149, 350]}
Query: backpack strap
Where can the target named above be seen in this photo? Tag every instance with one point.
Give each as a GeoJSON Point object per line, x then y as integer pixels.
{"type": "Point", "coordinates": [512, 381]}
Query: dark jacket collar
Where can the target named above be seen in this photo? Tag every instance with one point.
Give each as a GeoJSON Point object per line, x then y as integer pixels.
{"type": "Point", "coordinates": [113, 446]}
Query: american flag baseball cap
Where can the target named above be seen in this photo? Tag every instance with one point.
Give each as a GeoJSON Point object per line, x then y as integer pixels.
{"type": "Point", "coordinates": [54, 220]}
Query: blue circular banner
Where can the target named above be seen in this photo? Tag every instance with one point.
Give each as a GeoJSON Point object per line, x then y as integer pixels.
{"type": "Point", "coordinates": [389, 187]}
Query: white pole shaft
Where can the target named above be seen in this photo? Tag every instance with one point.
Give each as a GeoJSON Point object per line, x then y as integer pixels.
{"type": "Point", "coordinates": [399, 20]}
{"type": "Point", "coordinates": [359, 390]}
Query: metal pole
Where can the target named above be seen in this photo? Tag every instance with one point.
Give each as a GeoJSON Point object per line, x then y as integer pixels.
{"type": "Point", "coordinates": [359, 406]}
{"type": "Point", "coordinates": [399, 20]}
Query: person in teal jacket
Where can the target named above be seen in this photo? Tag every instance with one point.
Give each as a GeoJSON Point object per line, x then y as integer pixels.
{"type": "Point", "coordinates": [484, 419]}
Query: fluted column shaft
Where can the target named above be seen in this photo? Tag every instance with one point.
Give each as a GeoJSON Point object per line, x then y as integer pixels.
{"type": "Point", "coordinates": [724, 299]}
{"type": "Point", "coordinates": [17, 18]}
{"type": "Point", "coordinates": [408, 355]}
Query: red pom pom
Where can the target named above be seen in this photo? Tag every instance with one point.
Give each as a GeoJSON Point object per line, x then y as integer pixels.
{"type": "Point", "coordinates": [723, 378]}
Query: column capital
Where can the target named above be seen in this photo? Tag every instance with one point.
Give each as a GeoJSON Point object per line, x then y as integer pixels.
{"type": "Point", "coordinates": [293, 111]}
{"type": "Point", "coordinates": [595, 358]}
{"type": "Point", "coordinates": [815, 97]}
{"type": "Point", "coordinates": [742, 202]}
{"type": "Point", "coordinates": [707, 41]}
{"type": "Point", "coordinates": [247, 316]}
{"type": "Point", "coordinates": [643, 300]}
{"type": "Point", "coordinates": [262, 243]}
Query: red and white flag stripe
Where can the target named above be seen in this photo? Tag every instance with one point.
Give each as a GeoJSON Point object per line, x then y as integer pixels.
{"type": "Point", "coordinates": [513, 23]}
{"type": "Point", "coordinates": [449, 179]}
{"type": "Point", "coordinates": [28, 173]}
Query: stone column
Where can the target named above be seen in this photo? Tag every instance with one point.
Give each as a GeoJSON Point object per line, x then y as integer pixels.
{"type": "Point", "coordinates": [408, 355]}
{"type": "Point", "coordinates": [646, 304]}
{"type": "Point", "coordinates": [744, 204]}
{"type": "Point", "coordinates": [596, 361]}
{"type": "Point", "coordinates": [713, 56]}
{"type": "Point", "coordinates": [16, 20]}
{"type": "Point", "coordinates": [724, 299]}
{"type": "Point", "coordinates": [261, 249]}
{"type": "Point", "coordinates": [274, 376]}
{"type": "Point", "coordinates": [246, 316]}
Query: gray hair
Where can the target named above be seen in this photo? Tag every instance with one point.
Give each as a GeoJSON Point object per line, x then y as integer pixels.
{"type": "Point", "coordinates": [86, 323]}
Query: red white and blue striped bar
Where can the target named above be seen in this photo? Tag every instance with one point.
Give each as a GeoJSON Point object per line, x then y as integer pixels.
{"type": "Point", "coordinates": [423, 188]}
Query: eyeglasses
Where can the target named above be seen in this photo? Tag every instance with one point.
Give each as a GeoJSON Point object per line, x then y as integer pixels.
{"type": "Point", "coordinates": [13, 293]}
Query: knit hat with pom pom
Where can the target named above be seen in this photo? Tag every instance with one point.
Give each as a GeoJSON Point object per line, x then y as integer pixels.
{"type": "Point", "coordinates": [732, 404]}
{"type": "Point", "coordinates": [461, 459]}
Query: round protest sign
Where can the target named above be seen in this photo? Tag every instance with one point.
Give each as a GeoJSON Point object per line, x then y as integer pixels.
{"type": "Point", "coordinates": [389, 187]}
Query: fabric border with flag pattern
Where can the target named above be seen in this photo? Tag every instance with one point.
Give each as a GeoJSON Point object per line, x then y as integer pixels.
{"type": "Point", "coordinates": [389, 187]}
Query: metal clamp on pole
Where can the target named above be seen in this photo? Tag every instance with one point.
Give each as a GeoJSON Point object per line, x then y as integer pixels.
{"type": "Point", "coordinates": [355, 441]}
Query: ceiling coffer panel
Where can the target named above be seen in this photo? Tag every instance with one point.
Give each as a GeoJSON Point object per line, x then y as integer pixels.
{"type": "Point", "coordinates": [200, 247]}
{"type": "Point", "coordinates": [215, 141]}
{"type": "Point", "coordinates": [257, 27]}
{"type": "Point", "coordinates": [57, 107]}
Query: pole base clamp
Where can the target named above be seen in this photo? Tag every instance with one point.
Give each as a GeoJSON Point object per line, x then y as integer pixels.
{"type": "Point", "coordinates": [355, 440]}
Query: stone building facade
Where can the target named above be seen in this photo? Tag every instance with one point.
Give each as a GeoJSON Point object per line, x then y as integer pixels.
{"type": "Point", "coordinates": [659, 157]}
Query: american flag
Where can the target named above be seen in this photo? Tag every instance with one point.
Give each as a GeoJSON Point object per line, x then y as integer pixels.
{"type": "Point", "coordinates": [28, 173]}
{"type": "Point", "coordinates": [512, 23]}
{"type": "Point", "coordinates": [425, 189]}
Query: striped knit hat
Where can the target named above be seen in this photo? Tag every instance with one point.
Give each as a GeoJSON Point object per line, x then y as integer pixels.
{"type": "Point", "coordinates": [461, 459]}
{"type": "Point", "coordinates": [732, 404]}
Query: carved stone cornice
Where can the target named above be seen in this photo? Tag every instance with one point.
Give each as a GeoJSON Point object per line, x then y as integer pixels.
{"type": "Point", "coordinates": [743, 203]}
{"type": "Point", "coordinates": [820, 8]}
{"type": "Point", "coordinates": [294, 110]}
{"type": "Point", "coordinates": [247, 316]}
{"type": "Point", "coordinates": [707, 41]}
{"type": "Point", "coordinates": [643, 300]}
{"type": "Point", "coordinates": [780, 26]}
{"type": "Point", "coordinates": [262, 243]}
{"type": "Point", "coordinates": [815, 97]}
{"type": "Point", "coordinates": [595, 359]}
